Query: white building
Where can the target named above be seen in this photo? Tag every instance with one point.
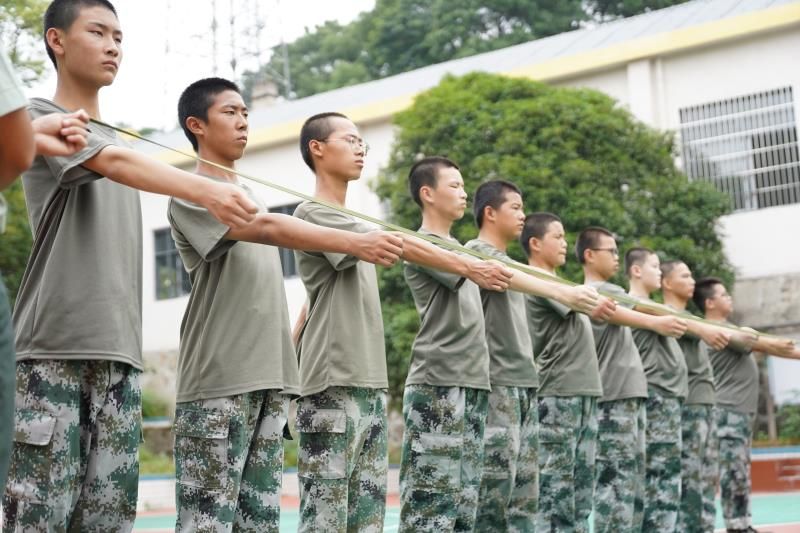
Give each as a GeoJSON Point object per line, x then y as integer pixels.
{"type": "Point", "coordinates": [722, 73]}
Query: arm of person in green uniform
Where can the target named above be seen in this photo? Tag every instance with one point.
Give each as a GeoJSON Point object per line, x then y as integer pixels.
{"type": "Point", "coordinates": [378, 247]}
{"type": "Point", "coordinates": [776, 346]}
{"type": "Point", "coordinates": [486, 274]}
{"type": "Point", "coordinates": [225, 201]}
{"type": "Point", "coordinates": [52, 135]}
{"type": "Point", "coordinates": [666, 325]}
{"type": "Point", "coordinates": [581, 298]}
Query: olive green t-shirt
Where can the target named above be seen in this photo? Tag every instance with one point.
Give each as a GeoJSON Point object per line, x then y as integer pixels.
{"type": "Point", "coordinates": [564, 349]}
{"type": "Point", "coordinates": [621, 370]}
{"type": "Point", "coordinates": [736, 378]}
{"type": "Point", "coordinates": [698, 365]}
{"type": "Point", "coordinates": [663, 363]}
{"type": "Point", "coordinates": [81, 294]}
{"type": "Point", "coordinates": [511, 361]}
{"type": "Point", "coordinates": [341, 344]}
{"type": "Point", "coordinates": [450, 348]}
{"type": "Point", "coordinates": [11, 99]}
{"type": "Point", "coordinates": [235, 333]}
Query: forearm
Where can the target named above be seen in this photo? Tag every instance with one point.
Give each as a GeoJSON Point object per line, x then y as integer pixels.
{"type": "Point", "coordinates": [522, 282]}
{"type": "Point", "coordinates": [423, 253]}
{"type": "Point", "coordinates": [290, 232]}
{"type": "Point", "coordinates": [774, 346]}
{"type": "Point", "coordinates": [634, 319]}
{"type": "Point", "coordinates": [138, 171]}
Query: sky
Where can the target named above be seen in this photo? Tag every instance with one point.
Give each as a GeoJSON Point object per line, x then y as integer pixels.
{"type": "Point", "coordinates": [168, 44]}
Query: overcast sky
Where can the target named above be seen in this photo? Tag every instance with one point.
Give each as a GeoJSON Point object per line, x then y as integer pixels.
{"type": "Point", "coordinates": [168, 44]}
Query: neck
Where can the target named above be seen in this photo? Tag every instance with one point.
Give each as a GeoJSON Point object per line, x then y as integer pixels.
{"type": "Point", "coordinates": [490, 234]}
{"type": "Point", "coordinates": [207, 169]}
{"type": "Point", "coordinates": [331, 188]}
{"type": "Point", "coordinates": [638, 289]}
{"type": "Point", "coordinates": [73, 95]}
{"type": "Point", "coordinates": [591, 276]}
{"type": "Point", "coordinates": [675, 301]}
{"type": "Point", "coordinates": [538, 262]}
{"type": "Point", "coordinates": [436, 223]}
{"type": "Point", "coordinates": [713, 314]}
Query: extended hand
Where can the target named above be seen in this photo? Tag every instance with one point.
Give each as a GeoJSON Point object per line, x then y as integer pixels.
{"type": "Point", "coordinates": [604, 310]}
{"type": "Point", "coordinates": [229, 204]}
{"type": "Point", "coordinates": [716, 339]}
{"type": "Point", "coordinates": [671, 326]}
{"type": "Point", "coordinates": [489, 275]}
{"type": "Point", "coordinates": [60, 134]}
{"type": "Point", "coordinates": [582, 298]}
{"type": "Point", "coordinates": [378, 247]}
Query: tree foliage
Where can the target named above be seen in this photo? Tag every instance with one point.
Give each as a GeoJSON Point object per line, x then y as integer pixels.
{"type": "Point", "coordinates": [21, 34]}
{"type": "Point", "coordinates": [574, 152]}
{"type": "Point", "coordinates": [402, 35]}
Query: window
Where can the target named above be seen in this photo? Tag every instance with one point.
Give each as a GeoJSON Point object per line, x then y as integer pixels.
{"type": "Point", "coordinates": [746, 147]}
{"type": "Point", "coordinates": [287, 256]}
{"type": "Point", "coordinates": [172, 280]}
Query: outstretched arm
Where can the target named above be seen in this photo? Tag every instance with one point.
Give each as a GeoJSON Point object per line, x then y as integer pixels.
{"type": "Point", "coordinates": [379, 247]}
{"type": "Point", "coordinates": [226, 202]}
{"type": "Point", "coordinates": [486, 274]}
{"type": "Point", "coordinates": [666, 325]}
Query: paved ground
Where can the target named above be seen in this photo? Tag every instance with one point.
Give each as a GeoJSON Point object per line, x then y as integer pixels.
{"type": "Point", "coordinates": [781, 512]}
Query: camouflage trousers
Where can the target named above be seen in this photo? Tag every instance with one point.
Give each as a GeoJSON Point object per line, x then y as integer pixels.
{"type": "Point", "coordinates": [440, 472]}
{"type": "Point", "coordinates": [509, 495]}
{"type": "Point", "coordinates": [734, 430]}
{"type": "Point", "coordinates": [567, 444]}
{"type": "Point", "coordinates": [620, 475]}
{"type": "Point", "coordinates": [7, 362]}
{"type": "Point", "coordinates": [75, 462]}
{"type": "Point", "coordinates": [663, 466]}
{"type": "Point", "coordinates": [699, 466]}
{"type": "Point", "coordinates": [229, 462]}
{"type": "Point", "coordinates": [343, 460]}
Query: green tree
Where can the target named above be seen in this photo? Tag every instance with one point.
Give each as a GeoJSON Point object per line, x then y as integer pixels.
{"type": "Point", "coordinates": [574, 152]}
{"type": "Point", "coordinates": [605, 9]}
{"type": "Point", "coordinates": [21, 34]}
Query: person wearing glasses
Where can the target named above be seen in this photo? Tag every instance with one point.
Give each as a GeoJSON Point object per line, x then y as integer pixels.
{"type": "Point", "coordinates": [621, 418]}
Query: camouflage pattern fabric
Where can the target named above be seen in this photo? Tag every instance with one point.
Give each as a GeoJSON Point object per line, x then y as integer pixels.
{"type": "Point", "coordinates": [342, 461]}
{"type": "Point", "coordinates": [229, 462]}
{"type": "Point", "coordinates": [698, 463]}
{"type": "Point", "coordinates": [7, 376]}
{"type": "Point", "coordinates": [567, 444]}
{"type": "Point", "coordinates": [663, 470]}
{"type": "Point", "coordinates": [509, 494]}
{"type": "Point", "coordinates": [620, 475]}
{"type": "Point", "coordinates": [75, 463]}
{"type": "Point", "coordinates": [440, 472]}
{"type": "Point", "coordinates": [734, 430]}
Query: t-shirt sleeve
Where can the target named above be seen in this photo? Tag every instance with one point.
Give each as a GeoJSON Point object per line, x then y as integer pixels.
{"type": "Point", "coordinates": [67, 170]}
{"type": "Point", "coordinates": [201, 230]}
{"type": "Point", "coordinates": [11, 97]}
{"type": "Point", "coordinates": [616, 290]}
{"type": "Point", "coordinates": [332, 219]}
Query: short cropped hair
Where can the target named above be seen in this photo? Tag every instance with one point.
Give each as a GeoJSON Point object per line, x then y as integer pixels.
{"type": "Point", "coordinates": [197, 99]}
{"type": "Point", "coordinates": [668, 266]}
{"type": "Point", "coordinates": [588, 240]}
{"type": "Point", "coordinates": [636, 256]}
{"type": "Point", "coordinates": [703, 290]}
{"type": "Point", "coordinates": [424, 173]}
{"type": "Point", "coordinates": [316, 128]}
{"type": "Point", "coordinates": [536, 226]}
{"type": "Point", "coordinates": [491, 194]}
{"type": "Point", "coordinates": [61, 14]}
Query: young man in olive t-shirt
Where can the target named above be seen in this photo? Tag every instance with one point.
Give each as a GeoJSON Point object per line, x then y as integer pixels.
{"type": "Point", "coordinates": [668, 385]}
{"type": "Point", "coordinates": [78, 314]}
{"type": "Point", "coordinates": [237, 368]}
{"type": "Point", "coordinates": [569, 386]}
{"type": "Point", "coordinates": [341, 415]}
{"type": "Point", "coordinates": [620, 459]}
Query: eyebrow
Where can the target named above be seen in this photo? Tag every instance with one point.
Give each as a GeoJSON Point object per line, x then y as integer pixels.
{"type": "Point", "coordinates": [106, 27]}
{"type": "Point", "coordinates": [235, 106]}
